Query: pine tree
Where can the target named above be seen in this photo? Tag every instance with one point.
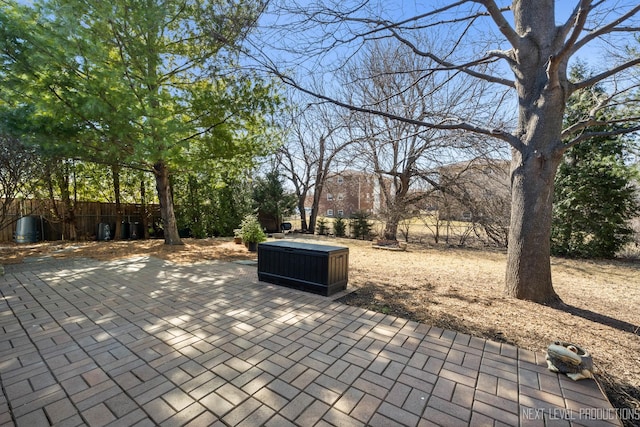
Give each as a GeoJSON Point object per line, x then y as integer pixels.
{"type": "Point", "coordinates": [594, 196]}
{"type": "Point", "coordinates": [360, 225]}
{"type": "Point", "coordinates": [271, 200]}
{"type": "Point", "coordinates": [339, 227]}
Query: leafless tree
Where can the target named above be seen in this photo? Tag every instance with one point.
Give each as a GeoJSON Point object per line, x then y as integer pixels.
{"type": "Point", "coordinates": [311, 153]}
{"type": "Point", "coordinates": [521, 49]}
{"type": "Point", "coordinates": [405, 157]}
{"type": "Point", "coordinates": [480, 190]}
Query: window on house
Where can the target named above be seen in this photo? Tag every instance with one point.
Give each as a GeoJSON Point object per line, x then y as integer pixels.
{"type": "Point", "coordinates": [329, 212]}
{"type": "Point", "coordinates": [340, 212]}
{"type": "Point", "coordinates": [340, 196]}
{"type": "Point", "coordinates": [329, 196]}
{"type": "Point", "coordinates": [340, 180]}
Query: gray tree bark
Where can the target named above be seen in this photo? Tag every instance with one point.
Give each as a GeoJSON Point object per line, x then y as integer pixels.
{"type": "Point", "coordinates": [163, 186]}
{"type": "Point", "coordinates": [542, 93]}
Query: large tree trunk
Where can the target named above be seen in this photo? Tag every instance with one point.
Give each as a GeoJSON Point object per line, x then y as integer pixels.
{"type": "Point", "coordinates": [313, 216]}
{"type": "Point", "coordinates": [391, 229]}
{"type": "Point", "coordinates": [303, 217]}
{"type": "Point", "coordinates": [302, 197]}
{"type": "Point", "coordinates": [528, 273]}
{"type": "Point", "coordinates": [396, 205]}
{"type": "Point", "coordinates": [395, 210]}
{"type": "Point", "coordinates": [542, 88]}
{"type": "Point", "coordinates": [170, 226]}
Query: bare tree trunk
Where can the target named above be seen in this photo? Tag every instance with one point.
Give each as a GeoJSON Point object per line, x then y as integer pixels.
{"type": "Point", "coordinates": [317, 193]}
{"type": "Point", "coordinates": [69, 222]}
{"type": "Point", "coordinates": [528, 274]}
{"type": "Point", "coordinates": [313, 216]}
{"type": "Point", "coordinates": [303, 212]}
{"type": "Point", "coordinates": [542, 96]}
{"type": "Point", "coordinates": [391, 229]}
{"type": "Point", "coordinates": [161, 172]}
{"type": "Point", "coordinates": [115, 173]}
{"type": "Point", "coordinates": [396, 205]}
{"type": "Point", "coordinates": [321, 175]}
{"type": "Point", "coordinates": [144, 211]}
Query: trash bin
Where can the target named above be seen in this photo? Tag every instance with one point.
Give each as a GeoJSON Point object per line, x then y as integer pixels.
{"type": "Point", "coordinates": [28, 230]}
{"type": "Point", "coordinates": [136, 231]}
{"type": "Point", "coordinates": [125, 228]}
{"type": "Point", "coordinates": [104, 231]}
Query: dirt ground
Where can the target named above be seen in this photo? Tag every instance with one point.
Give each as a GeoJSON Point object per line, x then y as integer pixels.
{"type": "Point", "coordinates": [458, 289]}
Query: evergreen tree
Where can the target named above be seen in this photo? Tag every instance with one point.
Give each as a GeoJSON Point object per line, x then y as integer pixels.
{"type": "Point", "coordinates": [322, 227]}
{"type": "Point", "coordinates": [360, 225]}
{"type": "Point", "coordinates": [208, 207]}
{"type": "Point", "coordinates": [594, 196]}
{"type": "Point", "coordinates": [339, 227]}
{"type": "Point", "coordinates": [148, 85]}
{"type": "Point", "coordinates": [272, 201]}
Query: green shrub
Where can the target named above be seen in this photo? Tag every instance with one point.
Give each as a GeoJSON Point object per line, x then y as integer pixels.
{"type": "Point", "coordinates": [322, 228]}
{"type": "Point", "coordinates": [251, 230]}
{"type": "Point", "coordinates": [361, 226]}
{"type": "Point", "coordinates": [339, 227]}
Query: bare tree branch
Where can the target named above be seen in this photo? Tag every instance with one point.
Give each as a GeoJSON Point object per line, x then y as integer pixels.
{"type": "Point", "coordinates": [462, 67]}
{"type": "Point", "coordinates": [608, 28]}
{"type": "Point", "coordinates": [577, 20]}
{"type": "Point", "coordinates": [608, 73]}
{"type": "Point", "coordinates": [443, 125]}
{"type": "Point", "coordinates": [592, 122]}
{"type": "Point", "coordinates": [589, 135]}
{"type": "Point", "coordinates": [505, 28]}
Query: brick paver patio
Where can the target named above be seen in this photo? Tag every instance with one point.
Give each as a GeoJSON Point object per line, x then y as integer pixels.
{"type": "Point", "coordinates": [146, 342]}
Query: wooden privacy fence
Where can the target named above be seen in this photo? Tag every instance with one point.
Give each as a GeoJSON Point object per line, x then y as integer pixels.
{"type": "Point", "coordinates": [88, 217]}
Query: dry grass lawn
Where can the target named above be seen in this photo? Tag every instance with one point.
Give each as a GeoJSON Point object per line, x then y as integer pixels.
{"type": "Point", "coordinates": [458, 289]}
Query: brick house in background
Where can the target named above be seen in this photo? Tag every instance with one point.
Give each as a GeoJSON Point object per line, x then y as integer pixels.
{"type": "Point", "coordinates": [475, 190]}
{"type": "Point", "coordinates": [348, 192]}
